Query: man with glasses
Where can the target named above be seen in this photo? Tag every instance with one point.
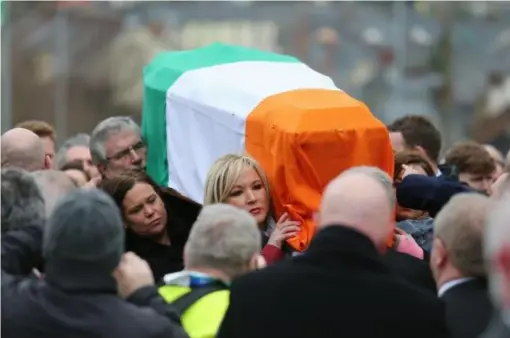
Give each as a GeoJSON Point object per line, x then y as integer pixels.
{"type": "Point", "coordinates": [116, 144]}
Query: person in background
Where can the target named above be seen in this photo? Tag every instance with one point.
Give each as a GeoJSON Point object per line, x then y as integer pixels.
{"type": "Point", "coordinates": [411, 160]}
{"type": "Point", "coordinates": [240, 181]}
{"type": "Point", "coordinates": [420, 192]}
{"type": "Point", "coordinates": [224, 243]}
{"type": "Point", "coordinates": [116, 144]}
{"type": "Point", "coordinates": [475, 165]}
{"type": "Point", "coordinates": [417, 223]}
{"type": "Point", "coordinates": [76, 148]}
{"type": "Point", "coordinates": [157, 220]}
{"type": "Point", "coordinates": [339, 287]}
{"type": "Point", "coordinates": [86, 276]}
{"type": "Point", "coordinates": [23, 149]}
{"type": "Point", "coordinates": [497, 156]}
{"type": "Point", "coordinates": [53, 185]}
{"type": "Point", "coordinates": [76, 172]}
{"type": "Point", "coordinates": [458, 265]}
{"type": "Point", "coordinates": [46, 133]}
{"type": "Point", "coordinates": [414, 132]}
{"type": "Point", "coordinates": [497, 256]}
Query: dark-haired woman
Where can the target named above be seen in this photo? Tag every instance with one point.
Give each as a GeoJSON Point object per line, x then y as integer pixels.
{"type": "Point", "coordinates": [157, 220]}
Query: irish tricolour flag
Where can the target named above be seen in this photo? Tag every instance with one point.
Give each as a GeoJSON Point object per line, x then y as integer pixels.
{"type": "Point", "coordinates": [202, 104]}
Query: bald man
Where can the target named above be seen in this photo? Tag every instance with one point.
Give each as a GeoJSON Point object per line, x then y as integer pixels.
{"type": "Point", "coordinates": [340, 287]}
{"type": "Point", "coordinates": [23, 149]}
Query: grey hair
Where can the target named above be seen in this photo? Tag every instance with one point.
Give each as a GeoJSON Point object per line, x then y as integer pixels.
{"type": "Point", "coordinates": [78, 140]}
{"type": "Point", "coordinates": [460, 226]}
{"type": "Point", "coordinates": [378, 175]}
{"type": "Point", "coordinates": [22, 201]}
{"type": "Point", "coordinates": [104, 130]}
{"type": "Point", "coordinates": [496, 236]}
{"type": "Point", "coordinates": [53, 185]}
{"type": "Point", "coordinates": [224, 238]}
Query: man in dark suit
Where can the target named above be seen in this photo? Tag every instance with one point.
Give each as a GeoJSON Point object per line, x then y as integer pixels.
{"type": "Point", "coordinates": [458, 266]}
{"type": "Point", "coordinates": [340, 287]}
{"type": "Point", "coordinates": [497, 254]}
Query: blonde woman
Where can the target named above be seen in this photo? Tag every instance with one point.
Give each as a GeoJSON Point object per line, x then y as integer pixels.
{"type": "Point", "coordinates": [240, 181]}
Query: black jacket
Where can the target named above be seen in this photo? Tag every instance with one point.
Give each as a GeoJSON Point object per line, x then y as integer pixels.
{"type": "Point", "coordinates": [164, 259]}
{"type": "Point", "coordinates": [426, 193]}
{"type": "Point", "coordinates": [415, 271]}
{"type": "Point", "coordinates": [36, 308]}
{"type": "Point", "coordinates": [338, 288]}
{"type": "Point", "coordinates": [468, 308]}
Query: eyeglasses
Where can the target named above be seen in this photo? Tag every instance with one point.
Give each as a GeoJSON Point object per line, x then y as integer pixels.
{"type": "Point", "coordinates": [137, 148]}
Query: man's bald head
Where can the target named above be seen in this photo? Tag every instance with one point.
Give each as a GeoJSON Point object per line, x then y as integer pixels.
{"type": "Point", "coordinates": [361, 198]}
{"type": "Point", "coordinates": [53, 185]}
{"type": "Point", "coordinates": [23, 149]}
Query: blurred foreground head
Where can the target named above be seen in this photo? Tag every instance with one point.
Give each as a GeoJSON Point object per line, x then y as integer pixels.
{"type": "Point", "coordinates": [497, 252]}
{"type": "Point", "coordinates": [361, 198]}
{"type": "Point", "coordinates": [83, 241]}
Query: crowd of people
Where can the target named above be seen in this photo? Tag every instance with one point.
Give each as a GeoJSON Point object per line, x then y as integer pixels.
{"type": "Point", "coordinates": [93, 247]}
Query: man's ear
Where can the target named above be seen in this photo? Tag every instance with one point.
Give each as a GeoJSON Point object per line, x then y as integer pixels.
{"type": "Point", "coordinates": [47, 162]}
{"type": "Point", "coordinates": [440, 256]}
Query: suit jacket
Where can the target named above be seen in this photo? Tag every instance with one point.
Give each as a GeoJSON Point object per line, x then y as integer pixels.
{"type": "Point", "coordinates": [468, 308]}
{"type": "Point", "coordinates": [415, 271]}
{"type": "Point", "coordinates": [496, 329]}
{"type": "Point", "coordinates": [339, 288]}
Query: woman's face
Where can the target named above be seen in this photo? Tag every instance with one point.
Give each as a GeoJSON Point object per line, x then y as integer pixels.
{"type": "Point", "coordinates": [404, 213]}
{"type": "Point", "coordinates": [250, 194]}
{"type": "Point", "coordinates": [144, 210]}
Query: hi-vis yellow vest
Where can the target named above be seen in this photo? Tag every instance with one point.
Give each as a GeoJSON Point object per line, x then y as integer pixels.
{"type": "Point", "coordinates": [204, 317]}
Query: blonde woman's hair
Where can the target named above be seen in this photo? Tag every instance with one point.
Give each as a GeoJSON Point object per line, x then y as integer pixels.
{"type": "Point", "coordinates": [225, 172]}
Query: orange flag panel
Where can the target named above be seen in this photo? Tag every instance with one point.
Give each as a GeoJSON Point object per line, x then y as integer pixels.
{"type": "Point", "coordinates": [304, 139]}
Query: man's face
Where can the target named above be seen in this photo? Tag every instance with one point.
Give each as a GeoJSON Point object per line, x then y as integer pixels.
{"type": "Point", "coordinates": [82, 154]}
{"type": "Point", "coordinates": [125, 150]}
{"type": "Point", "coordinates": [49, 150]}
{"type": "Point", "coordinates": [481, 183]}
{"type": "Point", "coordinates": [397, 142]}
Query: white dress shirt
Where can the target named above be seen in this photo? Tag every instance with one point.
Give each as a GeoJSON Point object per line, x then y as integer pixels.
{"type": "Point", "coordinates": [448, 285]}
